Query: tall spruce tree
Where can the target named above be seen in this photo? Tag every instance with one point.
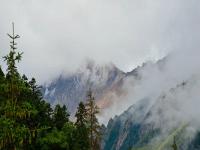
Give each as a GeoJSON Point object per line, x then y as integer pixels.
{"type": "Point", "coordinates": [174, 146]}
{"type": "Point", "coordinates": [13, 133]}
{"type": "Point", "coordinates": [60, 116]}
{"type": "Point", "coordinates": [93, 124]}
{"type": "Point", "coordinates": [12, 72]}
{"type": "Point", "coordinates": [82, 133]}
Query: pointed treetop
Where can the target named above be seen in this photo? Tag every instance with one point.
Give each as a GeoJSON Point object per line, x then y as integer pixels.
{"type": "Point", "coordinates": [174, 146]}
{"type": "Point", "coordinates": [13, 56]}
{"type": "Point", "coordinates": [13, 38]}
{"type": "Point", "coordinates": [90, 95]}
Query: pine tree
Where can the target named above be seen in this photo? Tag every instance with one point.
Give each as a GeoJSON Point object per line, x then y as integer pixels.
{"type": "Point", "coordinates": [81, 133]}
{"type": "Point", "coordinates": [14, 110]}
{"type": "Point", "coordinates": [93, 124]}
{"type": "Point", "coordinates": [174, 146]}
{"type": "Point", "coordinates": [1, 73]}
{"type": "Point", "coordinates": [2, 86]}
{"type": "Point", "coordinates": [60, 116]}
{"type": "Point", "coordinates": [12, 72]}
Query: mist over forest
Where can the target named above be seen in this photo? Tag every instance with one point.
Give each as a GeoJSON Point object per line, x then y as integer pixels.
{"type": "Point", "coordinates": [99, 75]}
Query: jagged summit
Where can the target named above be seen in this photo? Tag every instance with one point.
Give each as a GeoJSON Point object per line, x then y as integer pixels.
{"type": "Point", "coordinates": [106, 81]}
{"type": "Point", "coordinates": [71, 89]}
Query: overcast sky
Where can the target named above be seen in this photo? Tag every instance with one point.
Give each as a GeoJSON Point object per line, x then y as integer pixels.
{"type": "Point", "coordinates": [58, 35]}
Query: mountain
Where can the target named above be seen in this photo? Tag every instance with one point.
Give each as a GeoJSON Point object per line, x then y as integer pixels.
{"type": "Point", "coordinates": [124, 131]}
{"type": "Point", "coordinates": [162, 100]}
{"type": "Point", "coordinates": [70, 89]}
{"type": "Point", "coordinates": [153, 124]}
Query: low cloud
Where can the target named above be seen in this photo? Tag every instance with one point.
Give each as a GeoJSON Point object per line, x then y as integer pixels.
{"type": "Point", "coordinates": [58, 35]}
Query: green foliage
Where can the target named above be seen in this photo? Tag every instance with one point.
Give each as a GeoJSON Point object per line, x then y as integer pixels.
{"type": "Point", "coordinates": [60, 116]}
{"type": "Point", "coordinates": [13, 109]}
{"type": "Point", "coordinates": [58, 139]}
{"type": "Point", "coordinates": [23, 113]}
{"type": "Point", "coordinates": [93, 124]}
{"type": "Point", "coordinates": [27, 122]}
{"type": "Point", "coordinates": [166, 143]}
{"type": "Point", "coordinates": [82, 132]}
{"type": "Point", "coordinates": [1, 74]}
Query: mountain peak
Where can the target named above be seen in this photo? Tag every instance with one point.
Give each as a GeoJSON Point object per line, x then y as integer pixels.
{"type": "Point", "coordinates": [70, 89]}
{"type": "Point", "coordinates": [92, 67]}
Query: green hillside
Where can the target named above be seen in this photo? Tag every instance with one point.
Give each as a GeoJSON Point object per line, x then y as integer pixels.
{"type": "Point", "coordinates": [166, 143]}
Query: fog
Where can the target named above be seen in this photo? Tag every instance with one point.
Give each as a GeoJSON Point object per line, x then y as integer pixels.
{"type": "Point", "coordinates": [172, 87]}
{"type": "Point", "coordinates": [57, 36]}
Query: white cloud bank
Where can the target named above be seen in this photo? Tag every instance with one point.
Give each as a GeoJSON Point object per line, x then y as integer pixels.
{"type": "Point", "coordinates": [58, 35]}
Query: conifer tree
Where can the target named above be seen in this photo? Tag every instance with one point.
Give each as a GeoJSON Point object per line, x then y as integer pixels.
{"type": "Point", "coordinates": [174, 146]}
{"type": "Point", "coordinates": [81, 133]}
{"type": "Point", "coordinates": [2, 86]}
{"type": "Point", "coordinates": [13, 111]}
{"type": "Point", "coordinates": [60, 116]}
{"type": "Point", "coordinates": [1, 73]}
{"type": "Point", "coordinates": [12, 72]}
{"type": "Point", "coordinates": [93, 124]}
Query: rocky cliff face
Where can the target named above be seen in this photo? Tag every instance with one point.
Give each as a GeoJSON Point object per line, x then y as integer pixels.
{"type": "Point", "coordinates": [164, 111]}
{"type": "Point", "coordinates": [129, 129]}
{"type": "Point", "coordinates": [71, 89]}
{"type": "Point", "coordinates": [150, 126]}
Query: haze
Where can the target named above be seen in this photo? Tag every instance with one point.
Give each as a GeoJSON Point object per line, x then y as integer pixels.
{"type": "Point", "coordinates": [57, 36]}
